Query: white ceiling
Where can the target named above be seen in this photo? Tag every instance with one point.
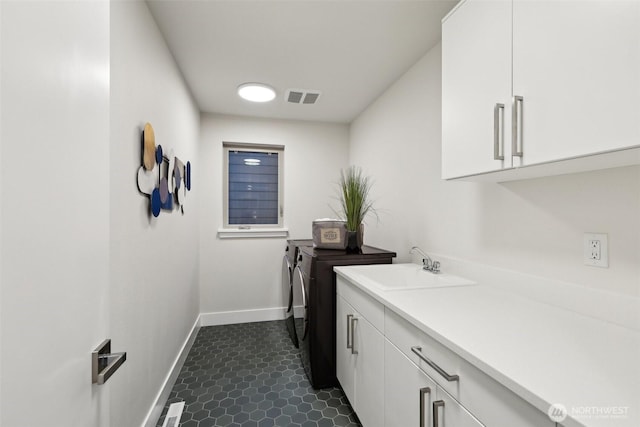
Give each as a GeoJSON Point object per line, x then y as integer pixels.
{"type": "Point", "coordinates": [349, 50]}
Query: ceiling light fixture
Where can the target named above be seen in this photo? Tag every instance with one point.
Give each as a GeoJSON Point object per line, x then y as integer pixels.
{"type": "Point", "coordinates": [256, 92]}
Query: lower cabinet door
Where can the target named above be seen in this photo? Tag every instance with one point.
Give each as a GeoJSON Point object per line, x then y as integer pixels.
{"type": "Point", "coordinates": [368, 344]}
{"type": "Point", "coordinates": [345, 360]}
{"type": "Point", "coordinates": [447, 412]}
{"type": "Point", "coordinates": [409, 392]}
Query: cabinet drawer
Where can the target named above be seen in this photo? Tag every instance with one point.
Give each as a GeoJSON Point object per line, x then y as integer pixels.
{"type": "Point", "coordinates": [409, 392]}
{"type": "Point", "coordinates": [492, 403]}
{"type": "Point", "coordinates": [450, 413]}
{"type": "Point", "coordinates": [369, 308]}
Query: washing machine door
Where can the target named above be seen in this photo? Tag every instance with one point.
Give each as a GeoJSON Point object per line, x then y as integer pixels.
{"type": "Point", "coordinates": [287, 299]}
{"type": "Point", "coordinates": [287, 295]}
{"type": "Point", "coordinates": [300, 314]}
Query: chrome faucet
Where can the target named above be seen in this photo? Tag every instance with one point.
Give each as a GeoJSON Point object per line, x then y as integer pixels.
{"type": "Point", "coordinates": [427, 263]}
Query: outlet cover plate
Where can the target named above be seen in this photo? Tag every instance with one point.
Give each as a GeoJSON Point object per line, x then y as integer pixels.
{"type": "Point", "coordinates": [589, 258]}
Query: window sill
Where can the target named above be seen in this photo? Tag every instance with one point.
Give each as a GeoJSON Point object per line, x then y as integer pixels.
{"type": "Point", "coordinates": [252, 233]}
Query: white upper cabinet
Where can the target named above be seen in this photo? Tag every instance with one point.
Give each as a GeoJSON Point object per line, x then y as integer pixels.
{"type": "Point", "coordinates": [572, 75]}
{"type": "Point", "coordinates": [476, 77]}
{"type": "Point", "coordinates": [577, 66]}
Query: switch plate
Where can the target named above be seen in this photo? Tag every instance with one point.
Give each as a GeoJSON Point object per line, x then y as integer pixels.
{"type": "Point", "coordinates": [596, 250]}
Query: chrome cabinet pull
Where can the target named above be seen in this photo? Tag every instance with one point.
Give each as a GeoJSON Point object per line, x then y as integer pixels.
{"type": "Point", "coordinates": [353, 345]}
{"type": "Point", "coordinates": [418, 351]}
{"type": "Point", "coordinates": [436, 405]}
{"type": "Point", "coordinates": [498, 132]}
{"type": "Point", "coordinates": [517, 124]}
{"type": "Point", "coordinates": [423, 391]}
{"type": "Point", "coordinates": [349, 342]}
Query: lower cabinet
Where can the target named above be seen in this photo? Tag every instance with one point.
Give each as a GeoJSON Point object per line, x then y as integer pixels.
{"type": "Point", "coordinates": [412, 398]}
{"type": "Point", "coordinates": [345, 359]}
{"type": "Point", "coordinates": [489, 401]}
{"type": "Point", "coordinates": [447, 412]}
{"type": "Point", "coordinates": [395, 375]}
{"type": "Point", "coordinates": [360, 363]}
{"type": "Point", "coordinates": [409, 393]}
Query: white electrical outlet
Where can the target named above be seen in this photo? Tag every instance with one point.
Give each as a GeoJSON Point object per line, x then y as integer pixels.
{"type": "Point", "coordinates": [596, 250]}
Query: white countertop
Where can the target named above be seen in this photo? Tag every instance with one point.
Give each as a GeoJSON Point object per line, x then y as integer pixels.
{"type": "Point", "coordinates": [544, 354]}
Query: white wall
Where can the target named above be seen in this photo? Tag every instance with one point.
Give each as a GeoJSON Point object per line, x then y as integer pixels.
{"type": "Point", "coordinates": [55, 211]}
{"type": "Point", "coordinates": [81, 259]}
{"type": "Point", "coordinates": [1, 258]}
{"type": "Point", "coordinates": [244, 274]}
{"type": "Point", "coordinates": [533, 226]}
{"type": "Point", "coordinates": [154, 261]}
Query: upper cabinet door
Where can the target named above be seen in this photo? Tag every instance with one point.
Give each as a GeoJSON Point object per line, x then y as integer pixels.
{"type": "Point", "coordinates": [577, 66]}
{"type": "Point", "coordinates": [476, 81]}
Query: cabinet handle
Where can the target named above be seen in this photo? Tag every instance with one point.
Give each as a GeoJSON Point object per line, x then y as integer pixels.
{"type": "Point", "coordinates": [498, 132]}
{"type": "Point", "coordinates": [353, 345]}
{"type": "Point", "coordinates": [517, 124]}
{"type": "Point", "coordinates": [436, 405]}
{"type": "Point", "coordinates": [349, 342]}
{"type": "Point", "coordinates": [418, 351]}
{"type": "Point", "coordinates": [423, 391]}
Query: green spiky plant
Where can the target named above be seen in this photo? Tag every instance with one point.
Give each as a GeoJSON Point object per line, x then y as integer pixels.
{"type": "Point", "coordinates": [354, 198]}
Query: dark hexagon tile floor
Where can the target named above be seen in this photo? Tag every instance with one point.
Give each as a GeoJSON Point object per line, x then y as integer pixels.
{"type": "Point", "coordinates": [250, 375]}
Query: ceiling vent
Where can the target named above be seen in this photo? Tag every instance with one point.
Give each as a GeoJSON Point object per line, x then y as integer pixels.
{"type": "Point", "coordinates": [302, 96]}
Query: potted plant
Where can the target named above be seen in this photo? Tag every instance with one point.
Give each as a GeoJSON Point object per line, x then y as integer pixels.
{"type": "Point", "coordinates": [355, 204]}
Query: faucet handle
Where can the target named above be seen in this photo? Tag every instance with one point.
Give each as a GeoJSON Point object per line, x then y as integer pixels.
{"type": "Point", "coordinates": [435, 268]}
{"type": "Point", "coordinates": [426, 264]}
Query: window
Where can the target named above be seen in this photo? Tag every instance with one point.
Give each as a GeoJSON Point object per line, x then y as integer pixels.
{"type": "Point", "coordinates": [253, 186]}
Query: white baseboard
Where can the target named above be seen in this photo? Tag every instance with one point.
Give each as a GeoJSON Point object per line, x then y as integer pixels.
{"type": "Point", "coordinates": [163, 395]}
{"type": "Point", "coordinates": [241, 316]}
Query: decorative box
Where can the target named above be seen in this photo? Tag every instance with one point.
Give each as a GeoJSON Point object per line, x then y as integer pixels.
{"type": "Point", "coordinates": [329, 234]}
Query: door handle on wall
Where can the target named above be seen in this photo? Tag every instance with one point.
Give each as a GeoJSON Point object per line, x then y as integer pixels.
{"type": "Point", "coordinates": [104, 363]}
{"type": "Point", "coordinates": [423, 391]}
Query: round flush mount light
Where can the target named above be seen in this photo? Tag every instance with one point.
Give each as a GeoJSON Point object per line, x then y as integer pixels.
{"type": "Point", "coordinates": [256, 92]}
